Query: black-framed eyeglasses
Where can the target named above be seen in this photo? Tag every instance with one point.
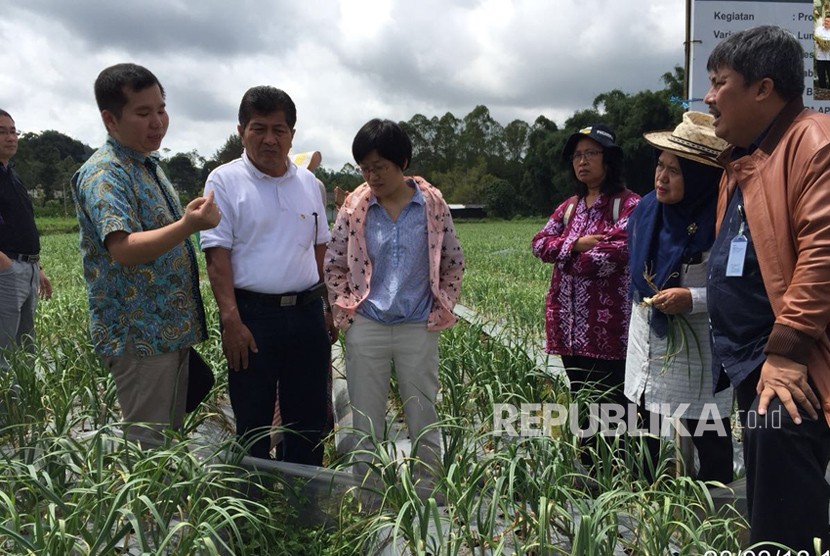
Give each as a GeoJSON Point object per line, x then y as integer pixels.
{"type": "Point", "coordinates": [590, 154]}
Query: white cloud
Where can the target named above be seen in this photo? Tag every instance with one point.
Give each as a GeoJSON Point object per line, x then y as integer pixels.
{"type": "Point", "coordinates": [342, 62]}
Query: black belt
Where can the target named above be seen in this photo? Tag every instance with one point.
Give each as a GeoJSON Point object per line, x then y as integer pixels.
{"type": "Point", "coordinates": [284, 299]}
{"type": "Point", "coordinates": [21, 257]}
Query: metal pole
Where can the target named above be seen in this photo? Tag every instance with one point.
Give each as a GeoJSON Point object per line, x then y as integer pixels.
{"type": "Point", "coordinates": [685, 446]}
{"type": "Point", "coordinates": [688, 50]}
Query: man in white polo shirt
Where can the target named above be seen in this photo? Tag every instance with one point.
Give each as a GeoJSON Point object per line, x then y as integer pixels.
{"type": "Point", "coordinates": [264, 262]}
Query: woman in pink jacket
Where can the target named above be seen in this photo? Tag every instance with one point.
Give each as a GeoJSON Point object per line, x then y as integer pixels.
{"type": "Point", "coordinates": [393, 271]}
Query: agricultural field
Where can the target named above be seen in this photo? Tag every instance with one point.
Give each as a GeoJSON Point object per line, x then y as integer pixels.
{"type": "Point", "coordinates": [503, 279]}
{"type": "Point", "coordinates": [70, 485]}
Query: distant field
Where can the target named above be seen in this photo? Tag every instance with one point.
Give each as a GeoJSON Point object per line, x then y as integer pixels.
{"type": "Point", "coordinates": [57, 225]}
{"type": "Point", "coordinates": [503, 279]}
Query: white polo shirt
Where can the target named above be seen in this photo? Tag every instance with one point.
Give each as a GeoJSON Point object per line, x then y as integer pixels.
{"type": "Point", "coordinates": [268, 224]}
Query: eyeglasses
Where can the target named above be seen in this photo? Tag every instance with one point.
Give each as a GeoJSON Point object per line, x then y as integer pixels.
{"type": "Point", "coordinates": [589, 155]}
{"type": "Point", "coordinates": [376, 170]}
{"type": "Point", "coordinates": [5, 132]}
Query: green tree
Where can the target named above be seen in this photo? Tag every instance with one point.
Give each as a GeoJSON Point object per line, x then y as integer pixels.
{"type": "Point", "coordinates": [500, 197]}
{"type": "Point", "coordinates": [347, 179]}
{"type": "Point", "coordinates": [66, 169]}
{"type": "Point", "coordinates": [630, 116]}
{"type": "Point", "coordinates": [544, 183]}
{"type": "Point", "coordinates": [185, 173]}
{"type": "Point", "coordinates": [435, 142]}
{"type": "Point", "coordinates": [231, 150]}
{"type": "Point", "coordinates": [516, 140]}
{"type": "Point", "coordinates": [481, 137]}
{"type": "Point", "coordinates": [421, 132]}
{"type": "Point", "coordinates": [447, 139]}
{"type": "Point", "coordinates": [39, 161]}
{"type": "Point", "coordinates": [673, 80]}
{"type": "Point", "coordinates": [547, 178]}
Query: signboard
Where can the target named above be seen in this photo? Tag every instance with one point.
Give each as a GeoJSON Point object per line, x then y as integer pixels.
{"type": "Point", "coordinates": [714, 20]}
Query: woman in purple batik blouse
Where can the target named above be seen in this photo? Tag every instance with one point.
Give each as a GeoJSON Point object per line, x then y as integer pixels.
{"type": "Point", "coordinates": [587, 306]}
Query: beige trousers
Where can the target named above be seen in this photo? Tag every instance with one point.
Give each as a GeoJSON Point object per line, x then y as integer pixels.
{"type": "Point", "coordinates": [152, 392]}
{"type": "Point", "coordinates": [371, 349]}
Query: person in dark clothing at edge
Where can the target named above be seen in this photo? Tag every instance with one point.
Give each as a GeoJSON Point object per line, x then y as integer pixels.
{"type": "Point", "coordinates": [22, 278]}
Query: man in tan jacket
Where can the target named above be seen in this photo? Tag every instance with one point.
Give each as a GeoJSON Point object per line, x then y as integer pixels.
{"type": "Point", "coordinates": [769, 280]}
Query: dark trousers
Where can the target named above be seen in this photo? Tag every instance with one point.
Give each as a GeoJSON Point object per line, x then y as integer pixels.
{"type": "Point", "coordinates": [607, 377]}
{"type": "Point", "coordinates": [293, 348]}
{"type": "Point", "coordinates": [787, 494]}
{"type": "Point", "coordinates": [823, 69]}
{"type": "Point", "coordinates": [714, 450]}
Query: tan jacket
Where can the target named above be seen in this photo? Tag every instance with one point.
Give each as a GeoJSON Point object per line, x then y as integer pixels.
{"type": "Point", "coordinates": [786, 189]}
{"type": "Point", "coordinates": [348, 270]}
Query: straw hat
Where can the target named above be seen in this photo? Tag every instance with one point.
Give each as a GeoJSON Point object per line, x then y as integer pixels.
{"type": "Point", "coordinates": [309, 160]}
{"type": "Point", "coordinates": [693, 138]}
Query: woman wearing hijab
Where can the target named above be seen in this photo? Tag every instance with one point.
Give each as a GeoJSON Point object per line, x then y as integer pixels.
{"type": "Point", "coordinates": [670, 233]}
{"type": "Point", "coordinates": [587, 308]}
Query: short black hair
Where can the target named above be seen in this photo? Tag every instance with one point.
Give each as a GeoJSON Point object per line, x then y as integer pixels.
{"type": "Point", "coordinates": [264, 100]}
{"type": "Point", "coordinates": [4, 113]}
{"type": "Point", "coordinates": [111, 82]}
{"type": "Point", "coordinates": [760, 52]}
{"type": "Point", "coordinates": [387, 138]}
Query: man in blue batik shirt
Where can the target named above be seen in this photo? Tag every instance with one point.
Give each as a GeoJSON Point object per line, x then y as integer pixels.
{"type": "Point", "coordinates": [139, 262]}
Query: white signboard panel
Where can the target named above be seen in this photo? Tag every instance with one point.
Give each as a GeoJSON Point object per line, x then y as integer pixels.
{"type": "Point", "coordinates": [714, 20]}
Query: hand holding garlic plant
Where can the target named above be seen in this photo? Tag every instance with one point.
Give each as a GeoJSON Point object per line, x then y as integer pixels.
{"type": "Point", "coordinates": [671, 301]}
{"type": "Point", "coordinates": [674, 303]}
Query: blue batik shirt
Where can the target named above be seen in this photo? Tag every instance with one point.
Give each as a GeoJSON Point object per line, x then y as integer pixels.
{"type": "Point", "coordinates": [157, 306]}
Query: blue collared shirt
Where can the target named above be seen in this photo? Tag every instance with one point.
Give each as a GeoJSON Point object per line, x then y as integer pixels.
{"type": "Point", "coordinates": [156, 305]}
{"type": "Point", "coordinates": [398, 250]}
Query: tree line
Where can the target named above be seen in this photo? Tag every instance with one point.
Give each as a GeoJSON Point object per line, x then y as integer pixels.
{"type": "Point", "coordinates": [515, 170]}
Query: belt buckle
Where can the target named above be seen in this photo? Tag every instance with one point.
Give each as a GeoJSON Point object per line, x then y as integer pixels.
{"type": "Point", "coordinates": [288, 300]}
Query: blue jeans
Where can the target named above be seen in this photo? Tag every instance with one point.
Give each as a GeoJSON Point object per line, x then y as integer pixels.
{"type": "Point", "coordinates": [18, 301]}
{"type": "Point", "coordinates": [294, 350]}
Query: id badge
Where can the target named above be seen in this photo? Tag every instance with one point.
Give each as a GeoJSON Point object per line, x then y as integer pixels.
{"type": "Point", "coordinates": [737, 256]}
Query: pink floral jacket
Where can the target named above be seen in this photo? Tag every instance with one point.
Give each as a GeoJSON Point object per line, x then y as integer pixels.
{"type": "Point", "coordinates": [348, 270]}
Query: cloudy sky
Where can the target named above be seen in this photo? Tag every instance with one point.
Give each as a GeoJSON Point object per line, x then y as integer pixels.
{"type": "Point", "coordinates": [342, 61]}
